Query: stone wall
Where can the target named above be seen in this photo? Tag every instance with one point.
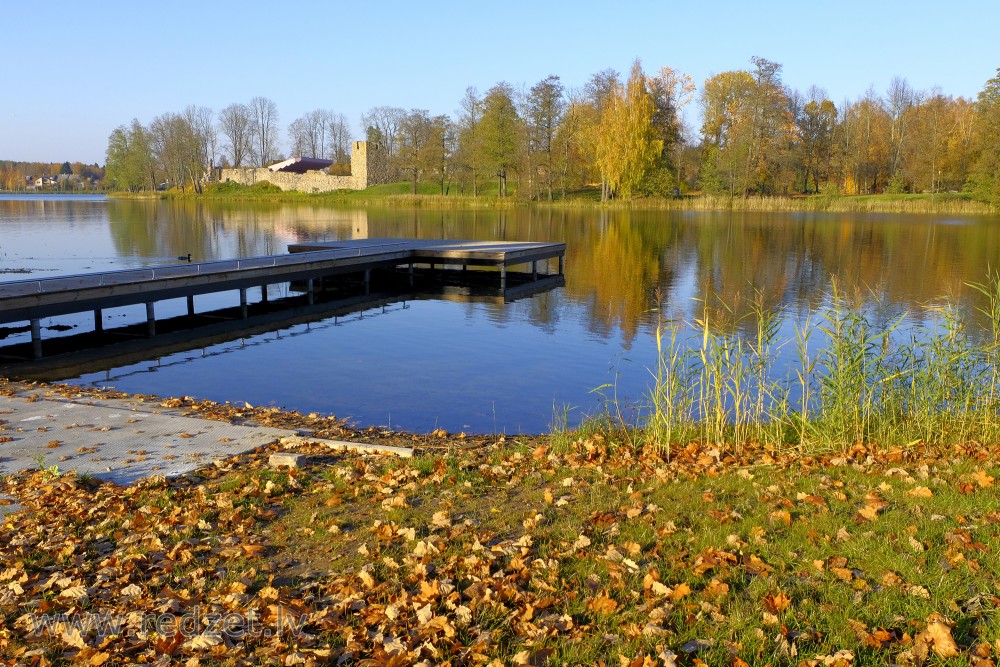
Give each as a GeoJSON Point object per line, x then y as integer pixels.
{"type": "Point", "coordinates": [369, 166]}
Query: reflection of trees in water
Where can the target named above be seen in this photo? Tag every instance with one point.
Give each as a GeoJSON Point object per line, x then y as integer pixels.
{"type": "Point", "coordinates": [617, 262]}
{"type": "Point", "coordinates": [222, 230]}
{"type": "Point", "coordinates": [730, 262]}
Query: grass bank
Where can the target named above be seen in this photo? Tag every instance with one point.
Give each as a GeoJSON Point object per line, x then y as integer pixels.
{"type": "Point", "coordinates": [428, 196]}
{"type": "Point", "coordinates": [735, 527]}
{"type": "Point", "coordinates": [516, 552]}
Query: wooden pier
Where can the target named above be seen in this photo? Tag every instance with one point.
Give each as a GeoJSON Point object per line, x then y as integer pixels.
{"type": "Point", "coordinates": [306, 264]}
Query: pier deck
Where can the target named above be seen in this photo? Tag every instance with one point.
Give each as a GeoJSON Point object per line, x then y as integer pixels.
{"type": "Point", "coordinates": [31, 300]}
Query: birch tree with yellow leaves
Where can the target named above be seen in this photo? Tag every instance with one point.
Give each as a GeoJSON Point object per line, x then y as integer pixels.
{"type": "Point", "coordinates": [625, 145]}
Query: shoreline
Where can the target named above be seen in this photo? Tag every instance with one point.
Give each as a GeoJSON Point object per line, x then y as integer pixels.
{"type": "Point", "coordinates": [576, 550]}
{"type": "Point", "coordinates": [318, 426]}
{"type": "Point", "coordinates": [943, 203]}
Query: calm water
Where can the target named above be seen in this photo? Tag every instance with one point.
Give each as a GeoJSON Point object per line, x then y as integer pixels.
{"type": "Point", "coordinates": [485, 367]}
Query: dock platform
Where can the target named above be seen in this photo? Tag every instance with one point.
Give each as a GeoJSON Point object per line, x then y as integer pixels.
{"type": "Point", "coordinates": [308, 264]}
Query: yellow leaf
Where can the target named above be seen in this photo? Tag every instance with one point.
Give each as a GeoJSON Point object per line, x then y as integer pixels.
{"type": "Point", "coordinates": [74, 592]}
{"type": "Point", "coordinates": [781, 516]}
{"type": "Point", "coordinates": [602, 604]}
{"type": "Point", "coordinates": [920, 492]}
{"type": "Point", "coordinates": [425, 614]}
{"type": "Point", "coordinates": [868, 512]}
{"type": "Point", "coordinates": [983, 479]}
{"type": "Point", "coordinates": [73, 637]}
{"type": "Point", "coordinates": [681, 591]}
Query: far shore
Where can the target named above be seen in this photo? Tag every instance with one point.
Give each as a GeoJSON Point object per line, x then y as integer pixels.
{"type": "Point", "coordinates": [400, 195]}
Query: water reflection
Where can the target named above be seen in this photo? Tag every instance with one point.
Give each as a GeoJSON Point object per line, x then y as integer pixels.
{"type": "Point", "coordinates": [619, 261]}
{"type": "Point", "coordinates": [624, 270]}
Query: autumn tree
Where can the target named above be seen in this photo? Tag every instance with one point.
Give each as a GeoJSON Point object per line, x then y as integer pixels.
{"type": "Point", "coordinates": [382, 126]}
{"type": "Point", "coordinates": [746, 117]}
{"type": "Point", "coordinates": [11, 178]}
{"type": "Point", "coordinates": [816, 124]}
{"type": "Point", "coordinates": [670, 91]}
{"type": "Point", "coordinates": [569, 144]}
{"type": "Point", "coordinates": [726, 131]}
{"type": "Point", "coordinates": [984, 181]}
{"type": "Point", "coordinates": [544, 109]}
{"type": "Point", "coordinates": [129, 159]}
{"type": "Point", "coordinates": [626, 146]}
{"type": "Point", "coordinates": [900, 100]}
{"type": "Point", "coordinates": [412, 137]}
{"type": "Point", "coordinates": [438, 155]}
{"type": "Point", "coordinates": [176, 149]}
{"type": "Point", "coordinates": [339, 139]}
{"type": "Point", "coordinates": [933, 123]}
{"type": "Point", "coordinates": [235, 123]}
{"type": "Point", "coordinates": [469, 138]}
{"type": "Point", "coordinates": [263, 130]}
{"type": "Point", "coordinates": [599, 91]}
{"type": "Point", "coordinates": [501, 129]}
{"type": "Point", "coordinates": [863, 138]}
{"type": "Point", "coordinates": [961, 144]}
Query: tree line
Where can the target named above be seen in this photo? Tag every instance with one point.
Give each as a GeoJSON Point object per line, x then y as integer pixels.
{"type": "Point", "coordinates": [19, 176]}
{"type": "Point", "coordinates": [625, 135]}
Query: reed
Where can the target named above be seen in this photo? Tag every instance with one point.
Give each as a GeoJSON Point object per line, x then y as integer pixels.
{"type": "Point", "coordinates": [856, 376]}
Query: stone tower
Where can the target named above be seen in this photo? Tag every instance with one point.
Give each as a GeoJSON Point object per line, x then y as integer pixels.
{"type": "Point", "coordinates": [369, 164]}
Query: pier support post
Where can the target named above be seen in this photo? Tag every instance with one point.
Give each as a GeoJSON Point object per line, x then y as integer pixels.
{"type": "Point", "coordinates": [310, 291]}
{"type": "Point", "coordinates": [243, 302]}
{"type": "Point", "coordinates": [263, 293]}
{"type": "Point", "coordinates": [190, 300]}
{"type": "Point", "coordinates": [503, 276]}
{"type": "Point", "coordinates": [150, 320]}
{"type": "Point", "coordinates": [561, 258]}
{"type": "Point", "coordinates": [36, 339]}
{"type": "Point", "coordinates": [534, 270]}
{"type": "Point", "coordinates": [368, 279]}
{"type": "Point", "coordinates": [98, 320]}
{"type": "Point", "coordinates": [410, 271]}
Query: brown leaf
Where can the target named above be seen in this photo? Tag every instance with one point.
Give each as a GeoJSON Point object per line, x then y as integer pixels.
{"type": "Point", "coordinates": [777, 603]}
{"type": "Point", "coordinates": [937, 636]}
{"type": "Point", "coordinates": [716, 589]}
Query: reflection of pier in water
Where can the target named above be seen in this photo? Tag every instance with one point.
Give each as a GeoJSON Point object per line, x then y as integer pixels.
{"type": "Point", "coordinates": [337, 291]}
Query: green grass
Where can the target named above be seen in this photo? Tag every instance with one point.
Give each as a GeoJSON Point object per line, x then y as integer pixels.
{"type": "Point", "coordinates": [588, 551]}
{"type": "Point", "coordinates": [400, 194]}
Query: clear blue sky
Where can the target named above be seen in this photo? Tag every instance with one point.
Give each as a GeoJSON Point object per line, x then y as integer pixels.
{"type": "Point", "coordinates": [76, 70]}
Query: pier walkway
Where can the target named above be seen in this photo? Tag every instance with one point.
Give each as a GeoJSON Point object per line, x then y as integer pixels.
{"type": "Point", "coordinates": [307, 264]}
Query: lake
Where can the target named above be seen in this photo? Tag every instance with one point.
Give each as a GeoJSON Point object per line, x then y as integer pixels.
{"type": "Point", "coordinates": [490, 367]}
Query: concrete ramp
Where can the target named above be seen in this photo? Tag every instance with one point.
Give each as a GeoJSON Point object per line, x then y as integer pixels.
{"type": "Point", "coordinates": [117, 440]}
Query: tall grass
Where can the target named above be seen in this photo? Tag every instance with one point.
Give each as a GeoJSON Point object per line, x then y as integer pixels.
{"type": "Point", "coordinates": [849, 375]}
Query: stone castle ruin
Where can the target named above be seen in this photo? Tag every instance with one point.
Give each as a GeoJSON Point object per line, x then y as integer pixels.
{"type": "Point", "coordinates": [369, 166]}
